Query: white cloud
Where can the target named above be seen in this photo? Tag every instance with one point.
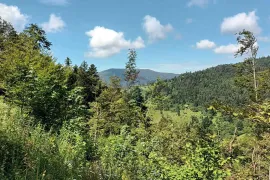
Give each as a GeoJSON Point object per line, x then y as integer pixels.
{"type": "Point", "coordinates": [55, 24]}
{"type": "Point", "coordinates": [228, 49]}
{"type": "Point", "coordinates": [241, 21]}
{"type": "Point", "coordinates": [189, 20]}
{"type": "Point", "coordinates": [200, 3]}
{"type": "Point", "coordinates": [264, 38]}
{"type": "Point", "coordinates": [107, 42]}
{"type": "Point", "coordinates": [13, 15]}
{"type": "Point", "coordinates": [55, 2]}
{"type": "Point", "coordinates": [256, 44]}
{"type": "Point", "coordinates": [154, 29]}
{"type": "Point", "coordinates": [205, 44]}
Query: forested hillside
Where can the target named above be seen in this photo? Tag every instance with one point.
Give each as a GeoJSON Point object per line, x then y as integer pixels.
{"type": "Point", "coordinates": [60, 121]}
{"type": "Point", "coordinates": [145, 76]}
{"type": "Point", "coordinates": [216, 84]}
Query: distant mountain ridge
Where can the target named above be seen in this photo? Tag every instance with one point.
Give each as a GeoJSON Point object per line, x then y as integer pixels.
{"type": "Point", "coordinates": [215, 84]}
{"type": "Point", "coordinates": [145, 75]}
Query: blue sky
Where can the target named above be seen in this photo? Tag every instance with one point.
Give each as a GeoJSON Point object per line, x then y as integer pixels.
{"type": "Point", "coordinates": [169, 35]}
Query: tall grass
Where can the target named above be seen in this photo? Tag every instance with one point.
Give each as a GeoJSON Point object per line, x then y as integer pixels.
{"type": "Point", "coordinates": [29, 152]}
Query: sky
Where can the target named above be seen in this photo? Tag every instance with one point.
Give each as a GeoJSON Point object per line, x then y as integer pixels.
{"type": "Point", "coordinates": [169, 35]}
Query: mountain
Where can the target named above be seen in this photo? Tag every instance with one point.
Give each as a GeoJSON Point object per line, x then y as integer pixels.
{"type": "Point", "coordinates": [216, 84]}
{"type": "Point", "coordinates": [145, 75]}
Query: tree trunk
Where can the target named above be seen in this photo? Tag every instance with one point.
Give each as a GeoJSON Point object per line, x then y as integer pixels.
{"type": "Point", "coordinates": [269, 173]}
{"type": "Point", "coordinates": [232, 141]}
{"type": "Point", "coordinates": [254, 164]}
{"type": "Point", "coordinates": [231, 145]}
{"type": "Point", "coordinates": [254, 79]}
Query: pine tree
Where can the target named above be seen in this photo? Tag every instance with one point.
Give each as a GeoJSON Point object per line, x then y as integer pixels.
{"type": "Point", "coordinates": [38, 36]}
{"type": "Point", "coordinates": [7, 32]}
{"type": "Point", "coordinates": [248, 44]}
{"type": "Point", "coordinates": [72, 78]}
{"type": "Point", "coordinates": [68, 62]}
{"type": "Point", "coordinates": [92, 71]}
{"type": "Point", "coordinates": [94, 82]}
{"type": "Point", "coordinates": [88, 79]}
{"type": "Point", "coordinates": [131, 73]}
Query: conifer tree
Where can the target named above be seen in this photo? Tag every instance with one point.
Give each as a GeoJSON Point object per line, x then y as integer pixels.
{"type": "Point", "coordinates": [131, 73]}
{"type": "Point", "coordinates": [38, 36]}
{"type": "Point", "coordinates": [7, 32]}
{"type": "Point", "coordinates": [248, 44]}
{"type": "Point", "coordinates": [68, 62]}
{"type": "Point", "coordinates": [88, 79]}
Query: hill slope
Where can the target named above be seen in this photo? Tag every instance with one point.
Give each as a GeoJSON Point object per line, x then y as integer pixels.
{"type": "Point", "coordinates": [145, 75]}
{"type": "Point", "coordinates": [209, 85]}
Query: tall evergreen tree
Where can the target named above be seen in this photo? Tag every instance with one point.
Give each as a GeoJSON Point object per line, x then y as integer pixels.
{"type": "Point", "coordinates": [83, 67]}
{"type": "Point", "coordinates": [72, 77]}
{"type": "Point", "coordinates": [38, 35]}
{"type": "Point", "coordinates": [94, 81]}
{"type": "Point", "coordinates": [7, 32]}
{"type": "Point", "coordinates": [92, 71]}
{"type": "Point", "coordinates": [88, 79]}
{"type": "Point", "coordinates": [68, 62]}
{"type": "Point", "coordinates": [131, 73]}
{"type": "Point", "coordinates": [248, 44]}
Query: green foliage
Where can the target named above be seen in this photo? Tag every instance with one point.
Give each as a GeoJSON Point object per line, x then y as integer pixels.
{"type": "Point", "coordinates": [38, 36]}
{"type": "Point", "coordinates": [134, 94]}
{"type": "Point", "coordinates": [29, 152]}
{"type": "Point", "coordinates": [68, 62]}
{"type": "Point", "coordinates": [203, 162]}
{"type": "Point", "coordinates": [247, 42]}
{"type": "Point", "coordinates": [87, 77]}
{"type": "Point", "coordinates": [131, 74]}
{"type": "Point", "coordinates": [216, 85]}
{"type": "Point", "coordinates": [158, 95]}
{"type": "Point", "coordinates": [7, 33]}
{"type": "Point", "coordinates": [112, 110]}
{"type": "Point", "coordinates": [60, 122]}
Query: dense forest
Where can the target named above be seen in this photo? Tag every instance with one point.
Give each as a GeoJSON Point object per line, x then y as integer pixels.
{"type": "Point", "coordinates": [60, 121]}
{"type": "Point", "coordinates": [216, 84]}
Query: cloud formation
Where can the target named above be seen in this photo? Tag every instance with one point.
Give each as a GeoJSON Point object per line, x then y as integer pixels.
{"type": "Point", "coordinates": [55, 2]}
{"type": "Point", "coordinates": [199, 3]}
{"type": "Point", "coordinates": [55, 24]}
{"type": "Point", "coordinates": [205, 44]}
{"type": "Point", "coordinates": [227, 49]}
{"type": "Point", "coordinates": [107, 42]}
{"type": "Point", "coordinates": [13, 15]}
{"type": "Point", "coordinates": [154, 29]}
{"type": "Point", "coordinates": [238, 22]}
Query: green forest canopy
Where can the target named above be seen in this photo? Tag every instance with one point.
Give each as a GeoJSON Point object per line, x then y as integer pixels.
{"type": "Point", "coordinates": [216, 84]}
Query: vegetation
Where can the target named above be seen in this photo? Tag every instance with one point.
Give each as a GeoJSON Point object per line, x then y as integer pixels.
{"type": "Point", "coordinates": [131, 73]}
{"type": "Point", "coordinates": [62, 122]}
{"type": "Point", "coordinates": [230, 84]}
{"type": "Point", "coordinates": [145, 76]}
{"type": "Point", "coordinates": [247, 43]}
